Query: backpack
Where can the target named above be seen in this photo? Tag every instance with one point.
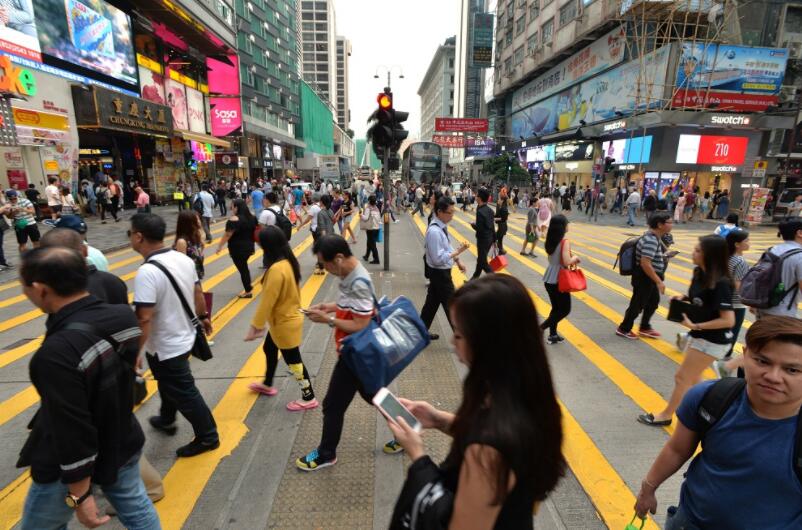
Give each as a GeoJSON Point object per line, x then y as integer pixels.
{"type": "Point", "coordinates": [625, 259]}
{"type": "Point", "coordinates": [723, 230]}
{"type": "Point", "coordinates": [717, 401]}
{"type": "Point", "coordinates": [762, 287]}
{"type": "Point", "coordinates": [197, 205]}
{"type": "Point", "coordinates": [283, 222]}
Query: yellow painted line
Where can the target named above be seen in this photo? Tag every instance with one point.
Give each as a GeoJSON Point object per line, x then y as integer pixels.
{"type": "Point", "coordinates": [18, 403]}
{"type": "Point", "coordinates": [606, 489]}
{"type": "Point", "coordinates": [12, 498]}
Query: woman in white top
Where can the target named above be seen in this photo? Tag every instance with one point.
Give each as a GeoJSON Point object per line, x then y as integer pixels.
{"type": "Point", "coordinates": [68, 205]}
{"type": "Point", "coordinates": [545, 209]}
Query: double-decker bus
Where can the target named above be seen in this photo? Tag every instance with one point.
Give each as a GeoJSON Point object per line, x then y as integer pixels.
{"type": "Point", "coordinates": [423, 163]}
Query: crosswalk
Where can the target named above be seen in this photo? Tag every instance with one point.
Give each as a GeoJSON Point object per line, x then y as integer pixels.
{"type": "Point", "coordinates": [619, 378]}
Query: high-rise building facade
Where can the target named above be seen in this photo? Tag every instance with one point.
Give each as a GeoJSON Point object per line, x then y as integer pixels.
{"type": "Point", "coordinates": [469, 80]}
{"type": "Point", "coordinates": [319, 48]}
{"type": "Point", "coordinates": [343, 61]}
{"type": "Point", "coordinates": [437, 88]}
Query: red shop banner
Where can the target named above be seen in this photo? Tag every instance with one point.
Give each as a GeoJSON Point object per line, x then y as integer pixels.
{"type": "Point", "coordinates": [474, 125]}
{"type": "Point", "coordinates": [444, 140]}
{"type": "Point", "coordinates": [724, 100]}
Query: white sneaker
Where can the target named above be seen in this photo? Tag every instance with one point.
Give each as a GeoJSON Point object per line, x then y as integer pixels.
{"type": "Point", "coordinates": [682, 341]}
{"type": "Point", "coordinates": [720, 368]}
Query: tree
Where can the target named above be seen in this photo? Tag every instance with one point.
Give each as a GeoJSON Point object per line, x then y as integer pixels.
{"type": "Point", "coordinates": [505, 167]}
{"type": "Point", "coordinates": [350, 133]}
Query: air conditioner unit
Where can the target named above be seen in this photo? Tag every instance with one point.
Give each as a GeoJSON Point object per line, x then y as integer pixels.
{"type": "Point", "coordinates": [788, 93]}
{"type": "Point", "coordinates": [794, 49]}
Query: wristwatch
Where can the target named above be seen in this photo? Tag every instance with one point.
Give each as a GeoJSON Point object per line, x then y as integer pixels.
{"type": "Point", "coordinates": [73, 501]}
{"type": "Point", "coordinates": [331, 322]}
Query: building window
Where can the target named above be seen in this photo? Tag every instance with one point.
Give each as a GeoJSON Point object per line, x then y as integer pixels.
{"type": "Point", "coordinates": [451, 110]}
{"type": "Point", "coordinates": [547, 2]}
{"type": "Point", "coordinates": [508, 38]}
{"type": "Point", "coordinates": [308, 26]}
{"type": "Point", "coordinates": [520, 25]}
{"type": "Point", "coordinates": [534, 10]}
{"type": "Point", "coordinates": [451, 63]}
{"type": "Point", "coordinates": [519, 55]}
{"type": "Point", "coordinates": [567, 13]}
{"type": "Point", "coordinates": [452, 79]}
{"type": "Point", "coordinates": [307, 16]}
{"type": "Point", "coordinates": [548, 31]}
{"type": "Point", "coordinates": [531, 42]}
{"type": "Point", "coordinates": [511, 10]}
{"type": "Point", "coordinates": [508, 65]}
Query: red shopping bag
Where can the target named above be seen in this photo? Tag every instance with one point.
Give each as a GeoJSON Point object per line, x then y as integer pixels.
{"type": "Point", "coordinates": [293, 216]}
{"type": "Point", "coordinates": [571, 280]}
{"type": "Point", "coordinates": [499, 261]}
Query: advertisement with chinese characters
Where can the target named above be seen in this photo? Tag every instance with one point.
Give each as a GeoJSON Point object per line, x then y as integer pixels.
{"type": "Point", "coordinates": [757, 205]}
{"type": "Point", "coordinates": [445, 140]}
{"type": "Point", "coordinates": [599, 56]}
{"type": "Point", "coordinates": [482, 52]}
{"type": "Point", "coordinates": [226, 116]}
{"type": "Point", "coordinates": [731, 77]}
{"type": "Point", "coordinates": [460, 125]}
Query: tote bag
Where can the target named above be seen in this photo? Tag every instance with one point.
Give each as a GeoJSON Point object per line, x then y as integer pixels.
{"type": "Point", "coordinates": [570, 279]}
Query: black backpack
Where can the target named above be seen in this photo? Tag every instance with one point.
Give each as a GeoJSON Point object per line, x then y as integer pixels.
{"type": "Point", "coordinates": [283, 222]}
{"type": "Point", "coordinates": [625, 259]}
{"type": "Point", "coordinates": [717, 401]}
{"type": "Point", "coordinates": [762, 285]}
{"type": "Point", "coordinates": [197, 205]}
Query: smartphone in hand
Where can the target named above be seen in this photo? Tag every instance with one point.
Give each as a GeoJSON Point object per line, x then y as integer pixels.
{"type": "Point", "coordinates": [391, 408]}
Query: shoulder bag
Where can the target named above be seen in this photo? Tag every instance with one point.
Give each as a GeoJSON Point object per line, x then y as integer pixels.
{"type": "Point", "coordinates": [200, 349]}
{"type": "Point", "coordinates": [570, 279]}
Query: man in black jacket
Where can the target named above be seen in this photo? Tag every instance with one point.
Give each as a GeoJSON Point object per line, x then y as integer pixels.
{"type": "Point", "coordinates": [84, 432]}
{"type": "Point", "coordinates": [485, 232]}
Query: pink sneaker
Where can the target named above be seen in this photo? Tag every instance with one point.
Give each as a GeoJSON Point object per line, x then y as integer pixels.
{"type": "Point", "coordinates": [626, 334]}
{"type": "Point", "coordinates": [300, 405]}
{"type": "Point", "coordinates": [650, 333]}
{"type": "Point", "coordinates": [259, 388]}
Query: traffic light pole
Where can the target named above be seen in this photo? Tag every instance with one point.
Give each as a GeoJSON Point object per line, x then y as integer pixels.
{"type": "Point", "coordinates": [387, 187]}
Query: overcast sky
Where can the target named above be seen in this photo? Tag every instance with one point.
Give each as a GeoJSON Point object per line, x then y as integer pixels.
{"type": "Point", "coordinates": [395, 33]}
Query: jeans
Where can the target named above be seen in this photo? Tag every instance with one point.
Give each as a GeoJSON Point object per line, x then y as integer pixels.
{"type": "Point", "coordinates": [678, 519]}
{"type": "Point", "coordinates": [441, 288]}
{"type": "Point", "coordinates": [206, 222]}
{"type": "Point", "coordinates": [560, 308]}
{"type": "Point", "coordinates": [179, 394]}
{"type": "Point", "coordinates": [45, 508]}
{"type": "Point", "coordinates": [371, 249]}
{"type": "Point", "coordinates": [418, 208]}
{"type": "Point", "coordinates": [483, 247]}
{"type": "Point", "coordinates": [630, 215]}
{"type": "Point", "coordinates": [292, 356]}
{"type": "Point", "coordinates": [240, 260]}
{"type": "Point", "coordinates": [645, 299]}
{"type": "Point", "coordinates": [343, 386]}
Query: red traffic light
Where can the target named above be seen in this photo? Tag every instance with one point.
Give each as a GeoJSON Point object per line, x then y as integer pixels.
{"type": "Point", "coordinates": [385, 101]}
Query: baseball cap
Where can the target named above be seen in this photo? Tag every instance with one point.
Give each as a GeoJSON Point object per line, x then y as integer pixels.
{"type": "Point", "coordinates": [11, 193]}
{"type": "Point", "coordinates": [73, 222]}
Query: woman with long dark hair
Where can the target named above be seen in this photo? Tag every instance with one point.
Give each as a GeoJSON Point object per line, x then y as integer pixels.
{"type": "Point", "coordinates": [710, 336]}
{"type": "Point", "coordinates": [501, 215]}
{"type": "Point", "coordinates": [737, 244]}
{"type": "Point", "coordinates": [239, 236]}
{"type": "Point", "coordinates": [189, 238]}
{"type": "Point", "coordinates": [507, 435]}
{"type": "Point", "coordinates": [558, 250]}
{"type": "Point", "coordinates": [279, 310]}
{"type": "Point", "coordinates": [371, 222]}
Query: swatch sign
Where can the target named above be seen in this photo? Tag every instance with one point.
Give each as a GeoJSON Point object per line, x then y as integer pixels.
{"type": "Point", "coordinates": [226, 114]}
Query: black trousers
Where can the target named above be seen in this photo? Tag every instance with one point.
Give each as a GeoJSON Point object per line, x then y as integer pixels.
{"type": "Point", "coordinates": [292, 356]}
{"type": "Point", "coordinates": [501, 231]}
{"type": "Point", "coordinates": [240, 259]}
{"type": "Point", "coordinates": [441, 288]}
{"type": "Point", "coordinates": [645, 299]}
{"type": "Point", "coordinates": [114, 206]}
{"type": "Point", "coordinates": [179, 394]}
{"type": "Point", "coordinates": [560, 307]}
{"type": "Point", "coordinates": [343, 386]}
{"type": "Point", "coordinates": [371, 249]}
{"type": "Point", "coordinates": [482, 248]}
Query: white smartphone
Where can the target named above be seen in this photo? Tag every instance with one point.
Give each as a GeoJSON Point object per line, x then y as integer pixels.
{"type": "Point", "coordinates": [391, 408]}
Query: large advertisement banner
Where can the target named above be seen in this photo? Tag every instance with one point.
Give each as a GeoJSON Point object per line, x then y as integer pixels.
{"type": "Point", "coordinates": [18, 30]}
{"type": "Point", "coordinates": [460, 124]}
{"type": "Point", "coordinates": [177, 101]}
{"type": "Point", "coordinates": [226, 117]}
{"type": "Point", "coordinates": [88, 33]}
{"type": "Point", "coordinates": [223, 75]}
{"type": "Point", "coordinates": [445, 140]}
{"type": "Point", "coordinates": [636, 85]}
{"type": "Point", "coordinates": [482, 48]}
{"type": "Point", "coordinates": [152, 86]}
{"type": "Point", "coordinates": [196, 112]}
{"type": "Point", "coordinates": [713, 150]}
{"type": "Point", "coordinates": [729, 77]}
{"type": "Point", "coordinates": [479, 146]}
{"type": "Point", "coordinates": [601, 55]}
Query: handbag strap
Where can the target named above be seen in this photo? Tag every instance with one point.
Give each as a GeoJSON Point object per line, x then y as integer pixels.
{"type": "Point", "coordinates": [191, 314]}
{"type": "Point", "coordinates": [92, 330]}
{"type": "Point", "coordinates": [372, 294]}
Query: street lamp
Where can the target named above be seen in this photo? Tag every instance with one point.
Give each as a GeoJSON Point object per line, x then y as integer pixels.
{"type": "Point", "coordinates": [389, 70]}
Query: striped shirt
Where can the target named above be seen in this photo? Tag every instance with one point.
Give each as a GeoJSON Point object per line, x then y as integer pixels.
{"type": "Point", "coordinates": [738, 269]}
{"type": "Point", "coordinates": [649, 246]}
{"type": "Point", "coordinates": [355, 298]}
{"type": "Point", "coordinates": [20, 211]}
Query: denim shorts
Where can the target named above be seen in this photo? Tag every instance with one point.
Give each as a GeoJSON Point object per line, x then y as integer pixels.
{"type": "Point", "coordinates": [677, 519]}
{"type": "Point", "coordinates": [717, 351]}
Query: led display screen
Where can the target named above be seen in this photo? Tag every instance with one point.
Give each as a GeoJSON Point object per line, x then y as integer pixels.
{"type": "Point", "coordinates": [712, 150]}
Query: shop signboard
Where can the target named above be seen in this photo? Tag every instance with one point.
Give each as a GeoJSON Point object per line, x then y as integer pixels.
{"type": "Point", "coordinates": [223, 75]}
{"type": "Point", "coordinates": [730, 77]}
{"type": "Point", "coordinates": [18, 34]}
{"type": "Point", "coordinates": [479, 146]}
{"type": "Point", "coordinates": [482, 48]}
{"type": "Point", "coordinates": [41, 128]}
{"type": "Point", "coordinates": [226, 160]}
{"type": "Point", "coordinates": [177, 101]}
{"type": "Point", "coordinates": [573, 151]}
{"type": "Point", "coordinates": [711, 150]}
{"type": "Point", "coordinates": [152, 86]}
{"type": "Point", "coordinates": [196, 112]}
{"type": "Point", "coordinates": [16, 80]}
{"type": "Point", "coordinates": [91, 34]}
{"type": "Point", "coordinates": [599, 56]}
{"type": "Point", "coordinates": [757, 204]}
{"type": "Point", "coordinates": [450, 141]}
{"type": "Point", "coordinates": [226, 116]}
{"type": "Point", "coordinates": [106, 109]}
{"type": "Point", "coordinates": [472, 125]}
{"type": "Point", "coordinates": [614, 93]}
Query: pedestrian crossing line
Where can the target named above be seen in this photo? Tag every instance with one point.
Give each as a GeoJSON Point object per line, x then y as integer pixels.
{"type": "Point", "coordinates": [608, 492]}
{"type": "Point", "coordinates": [187, 478]}
{"type": "Point", "coordinates": [13, 495]}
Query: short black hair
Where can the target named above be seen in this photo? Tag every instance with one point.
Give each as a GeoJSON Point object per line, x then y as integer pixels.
{"type": "Point", "coordinates": [658, 219]}
{"type": "Point", "coordinates": [483, 194]}
{"type": "Point", "coordinates": [329, 246]}
{"type": "Point", "coordinates": [733, 219]}
{"type": "Point", "coordinates": [62, 237]}
{"type": "Point", "coordinates": [62, 269]}
{"type": "Point", "coordinates": [443, 204]}
{"type": "Point", "coordinates": [272, 197]}
{"type": "Point", "coordinates": [205, 186]}
{"type": "Point", "coordinates": [151, 226]}
{"type": "Point", "coordinates": [326, 201]}
{"type": "Point", "coordinates": [789, 228]}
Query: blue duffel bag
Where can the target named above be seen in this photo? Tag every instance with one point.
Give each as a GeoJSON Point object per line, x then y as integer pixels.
{"type": "Point", "coordinates": [392, 340]}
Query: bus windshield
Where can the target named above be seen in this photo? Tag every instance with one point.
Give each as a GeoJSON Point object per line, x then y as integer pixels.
{"type": "Point", "coordinates": [423, 163]}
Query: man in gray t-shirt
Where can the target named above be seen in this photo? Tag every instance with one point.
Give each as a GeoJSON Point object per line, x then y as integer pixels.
{"type": "Point", "coordinates": [791, 232]}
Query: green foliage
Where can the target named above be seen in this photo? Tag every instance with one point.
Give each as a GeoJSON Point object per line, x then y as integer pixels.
{"type": "Point", "coordinates": [505, 167]}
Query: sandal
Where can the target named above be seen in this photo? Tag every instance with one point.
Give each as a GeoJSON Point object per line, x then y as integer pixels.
{"type": "Point", "coordinates": [300, 406]}
{"type": "Point", "coordinates": [265, 390]}
{"type": "Point", "coordinates": [245, 295]}
{"type": "Point", "coordinates": [648, 419]}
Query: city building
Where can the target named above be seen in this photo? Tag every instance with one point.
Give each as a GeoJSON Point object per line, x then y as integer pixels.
{"type": "Point", "coordinates": [469, 79]}
{"type": "Point", "coordinates": [436, 91]}
{"type": "Point", "coordinates": [365, 155]}
{"type": "Point", "coordinates": [319, 48]}
{"type": "Point", "coordinates": [270, 99]}
{"type": "Point", "coordinates": [316, 131]}
{"type": "Point", "coordinates": [343, 60]}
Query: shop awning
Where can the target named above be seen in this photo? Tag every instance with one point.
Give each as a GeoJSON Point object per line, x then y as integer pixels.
{"type": "Point", "coordinates": [568, 134]}
{"type": "Point", "coordinates": [204, 139]}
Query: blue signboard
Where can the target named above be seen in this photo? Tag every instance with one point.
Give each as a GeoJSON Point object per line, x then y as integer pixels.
{"type": "Point", "coordinates": [479, 147]}
{"type": "Point", "coordinates": [732, 68]}
{"type": "Point", "coordinates": [638, 150]}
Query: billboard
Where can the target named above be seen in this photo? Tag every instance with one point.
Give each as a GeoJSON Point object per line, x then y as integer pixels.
{"type": "Point", "coordinates": [599, 56]}
{"type": "Point", "coordinates": [446, 140]}
{"type": "Point", "coordinates": [177, 101]}
{"type": "Point", "coordinates": [152, 86]}
{"type": "Point", "coordinates": [196, 111]}
{"type": "Point", "coordinates": [482, 43]}
{"type": "Point", "coordinates": [223, 75]}
{"type": "Point", "coordinates": [614, 93]}
{"type": "Point", "coordinates": [711, 150]}
{"type": "Point", "coordinates": [226, 117]}
{"type": "Point", "coordinates": [738, 77]}
{"type": "Point", "coordinates": [88, 33]}
{"type": "Point", "coordinates": [479, 146]}
{"type": "Point", "coordinates": [460, 124]}
{"type": "Point", "coordinates": [18, 34]}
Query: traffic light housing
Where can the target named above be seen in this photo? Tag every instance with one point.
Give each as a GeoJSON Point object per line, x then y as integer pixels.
{"type": "Point", "coordinates": [608, 164]}
{"type": "Point", "coordinates": [386, 131]}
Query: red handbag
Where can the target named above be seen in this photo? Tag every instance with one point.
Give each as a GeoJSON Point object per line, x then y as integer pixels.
{"type": "Point", "coordinates": [570, 280]}
{"type": "Point", "coordinates": [498, 262]}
